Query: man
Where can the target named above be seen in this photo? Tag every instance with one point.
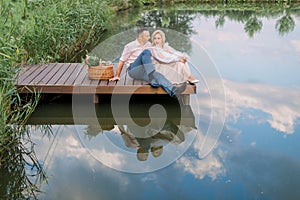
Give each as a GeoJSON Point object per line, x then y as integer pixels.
{"type": "Point", "coordinates": [137, 56]}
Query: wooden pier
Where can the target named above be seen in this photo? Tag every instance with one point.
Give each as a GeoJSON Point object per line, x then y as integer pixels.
{"type": "Point", "coordinates": [72, 78]}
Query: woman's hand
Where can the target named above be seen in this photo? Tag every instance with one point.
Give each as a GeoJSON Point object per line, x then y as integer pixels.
{"type": "Point", "coordinates": [183, 59]}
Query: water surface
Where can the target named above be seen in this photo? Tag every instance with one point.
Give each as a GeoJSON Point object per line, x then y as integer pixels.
{"type": "Point", "coordinates": [256, 156]}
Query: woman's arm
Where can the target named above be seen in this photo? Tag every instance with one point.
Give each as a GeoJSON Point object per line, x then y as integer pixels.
{"type": "Point", "coordinates": [183, 57]}
{"type": "Point", "coordinates": [163, 56]}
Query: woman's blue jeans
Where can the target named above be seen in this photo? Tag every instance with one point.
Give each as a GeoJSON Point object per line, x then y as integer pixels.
{"type": "Point", "coordinates": [143, 69]}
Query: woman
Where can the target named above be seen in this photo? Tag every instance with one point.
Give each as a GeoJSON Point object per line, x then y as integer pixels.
{"type": "Point", "coordinates": [169, 62]}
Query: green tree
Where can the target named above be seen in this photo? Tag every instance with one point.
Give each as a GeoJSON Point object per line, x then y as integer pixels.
{"type": "Point", "coordinates": [253, 25]}
{"type": "Point", "coordinates": [285, 24]}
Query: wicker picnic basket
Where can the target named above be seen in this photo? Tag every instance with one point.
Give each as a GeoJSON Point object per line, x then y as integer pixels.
{"type": "Point", "coordinates": [101, 72]}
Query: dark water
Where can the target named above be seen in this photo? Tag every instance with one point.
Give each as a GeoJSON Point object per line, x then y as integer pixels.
{"type": "Point", "coordinates": [251, 119]}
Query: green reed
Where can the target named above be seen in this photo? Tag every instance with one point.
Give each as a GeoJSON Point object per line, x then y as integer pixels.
{"type": "Point", "coordinates": [15, 147]}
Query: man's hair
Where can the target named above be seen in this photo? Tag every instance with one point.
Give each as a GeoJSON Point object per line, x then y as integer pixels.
{"type": "Point", "coordinates": [140, 31]}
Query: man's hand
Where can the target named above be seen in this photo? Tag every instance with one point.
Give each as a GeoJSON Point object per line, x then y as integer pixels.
{"type": "Point", "coordinates": [116, 78]}
{"type": "Point", "coordinates": [118, 72]}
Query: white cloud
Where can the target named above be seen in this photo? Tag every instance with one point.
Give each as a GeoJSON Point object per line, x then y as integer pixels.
{"type": "Point", "coordinates": [281, 103]}
{"type": "Point", "coordinates": [113, 160]}
{"type": "Point", "coordinates": [210, 166]}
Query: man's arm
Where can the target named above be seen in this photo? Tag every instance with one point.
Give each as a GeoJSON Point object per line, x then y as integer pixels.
{"type": "Point", "coordinates": [118, 72]}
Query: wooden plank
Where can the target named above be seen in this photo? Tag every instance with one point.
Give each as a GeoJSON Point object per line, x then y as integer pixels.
{"type": "Point", "coordinates": [33, 73]}
{"type": "Point", "coordinates": [50, 75]}
{"type": "Point", "coordinates": [62, 69]}
{"type": "Point", "coordinates": [95, 90]}
{"type": "Point", "coordinates": [81, 77]}
{"type": "Point", "coordinates": [24, 74]}
{"type": "Point", "coordinates": [85, 89]}
{"type": "Point", "coordinates": [86, 80]}
{"type": "Point", "coordinates": [104, 82]}
{"type": "Point", "coordinates": [65, 76]}
{"type": "Point", "coordinates": [94, 82]}
{"type": "Point", "coordinates": [44, 72]}
{"type": "Point", "coordinates": [54, 89]}
{"type": "Point", "coordinates": [78, 67]}
{"type": "Point", "coordinates": [130, 89]}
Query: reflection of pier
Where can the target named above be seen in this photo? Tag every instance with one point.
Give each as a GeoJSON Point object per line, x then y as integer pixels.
{"type": "Point", "coordinates": [63, 113]}
{"type": "Point", "coordinates": [165, 130]}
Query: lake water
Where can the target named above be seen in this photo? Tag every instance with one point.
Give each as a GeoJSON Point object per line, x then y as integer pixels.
{"type": "Point", "coordinates": [247, 105]}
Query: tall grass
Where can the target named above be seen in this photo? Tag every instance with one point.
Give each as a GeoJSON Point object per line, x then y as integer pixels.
{"type": "Point", "coordinates": [60, 30]}
{"type": "Point", "coordinates": [12, 110]}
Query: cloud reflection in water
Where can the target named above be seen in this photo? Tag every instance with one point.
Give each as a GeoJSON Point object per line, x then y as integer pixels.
{"type": "Point", "coordinates": [282, 104]}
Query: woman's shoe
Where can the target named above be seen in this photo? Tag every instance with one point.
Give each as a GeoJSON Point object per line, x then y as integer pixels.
{"type": "Point", "coordinates": [193, 81]}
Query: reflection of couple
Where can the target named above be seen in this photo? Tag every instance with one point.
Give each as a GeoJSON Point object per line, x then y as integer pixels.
{"type": "Point", "coordinates": [151, 139]}
{"type": "Point", "coordinates": [146, 62]}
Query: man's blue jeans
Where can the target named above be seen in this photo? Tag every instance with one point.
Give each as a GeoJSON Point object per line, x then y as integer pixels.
{"type": "Point", "coordinates": [143, 69]}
